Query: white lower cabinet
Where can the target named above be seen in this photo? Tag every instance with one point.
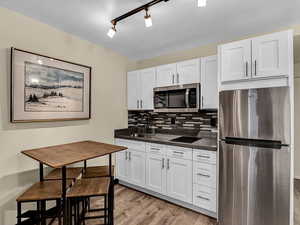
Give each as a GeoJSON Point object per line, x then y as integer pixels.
{"type": "Point", "coordinates": [179, 179]}
{"type": "Point", "coordinates": [205, 197]}
{"type": "Point", "coordinates": [155, 173]}
{"type": "Point", "coordinates": [179, 173]}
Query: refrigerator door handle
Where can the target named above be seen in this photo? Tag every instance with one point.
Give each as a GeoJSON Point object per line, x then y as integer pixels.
{"type": "Point", "coordinates": [275, 144]}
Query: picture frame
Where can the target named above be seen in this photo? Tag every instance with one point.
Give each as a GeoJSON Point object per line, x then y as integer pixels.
{"type": "Point", "coordinates": [46, 89]}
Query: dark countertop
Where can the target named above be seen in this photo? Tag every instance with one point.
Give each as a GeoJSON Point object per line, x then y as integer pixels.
{"type": "Point", "coordinates": [207, 142]}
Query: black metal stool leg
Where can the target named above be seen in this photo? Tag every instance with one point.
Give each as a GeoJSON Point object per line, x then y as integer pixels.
{"type": "Point", "coordinates": [19, 212]}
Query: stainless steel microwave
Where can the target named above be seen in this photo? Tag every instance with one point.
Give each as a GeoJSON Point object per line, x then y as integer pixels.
{"type": "Point", "coordinates": [179, 98]}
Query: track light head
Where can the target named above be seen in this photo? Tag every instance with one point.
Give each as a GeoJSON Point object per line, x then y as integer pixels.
{"type": "Point", "coordinates": [112, 31]}
{"type": "Point", "coordinates": [202, 3]}
{"type": "Point", "coordinates": [148, 19]}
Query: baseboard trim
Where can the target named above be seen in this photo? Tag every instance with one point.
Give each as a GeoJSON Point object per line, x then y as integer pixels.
{"type": "Point", "coordinates": [168, 199]}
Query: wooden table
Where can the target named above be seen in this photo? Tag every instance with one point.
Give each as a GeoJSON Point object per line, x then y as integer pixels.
{"type": "Point", "coordinates": [60, 156]}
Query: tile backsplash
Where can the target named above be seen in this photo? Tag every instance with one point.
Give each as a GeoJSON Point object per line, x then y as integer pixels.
{"type": "Point", "coordinates": [202, 121]}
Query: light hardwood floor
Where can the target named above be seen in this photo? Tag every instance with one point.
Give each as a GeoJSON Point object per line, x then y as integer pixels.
{"type": "Point", "coordinates": [297, 203]}
{"type": "Point", "coordinates": [136, 208]}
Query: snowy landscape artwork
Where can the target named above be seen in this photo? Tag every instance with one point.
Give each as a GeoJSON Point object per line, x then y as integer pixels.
{"type": "Point", "coordinates": [46, 89]}
{"type": "Point", "coordinates": [50, 89]}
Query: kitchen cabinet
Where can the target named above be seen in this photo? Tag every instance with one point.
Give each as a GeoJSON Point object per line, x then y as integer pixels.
{"type": "Point", "coordinates": [188, 72]}
{"type": "Point", "coordinates": [133, 90]}
{"type": "Point", "coordinates": [155, 173]}
{"type": "Point", "coordinates": [185, 72]}
{"type": "Point", "coordinates": [140, 86]}
{"type": "Point", "coordinates": [179, 179]}
{"type": "Point", "coordinates": [236, 61]}
{"type": "Point", "coordinates": [268, 57]}
{"type": "Point", "coordinates": [209, 82]}
{"type": "Point", "coordinates": [166, 75]}
{"type": "Point", "coordinates": [131, 163]}
{"type": "Point", "coordinates": [137, 167]}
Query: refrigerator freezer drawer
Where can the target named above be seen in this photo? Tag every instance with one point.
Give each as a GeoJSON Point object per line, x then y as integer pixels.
{"type": "Point", "coordinates": [254, 184]}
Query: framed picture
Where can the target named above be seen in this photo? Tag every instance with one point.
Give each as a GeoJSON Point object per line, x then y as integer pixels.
{"type": "Point", "coordinates": [48, 89]}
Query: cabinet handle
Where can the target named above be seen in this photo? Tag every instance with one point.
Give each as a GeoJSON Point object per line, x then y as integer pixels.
{"type": "Point", "coordinates": [255, 67]}
{"type": "Point", "coordinates": [177, 78]}
{"type": "Point", "coordinates": [129, 155]}
{"type": "Point", "coordinates": [202, 175]}
{"type": "Point", "coordinates": [137, 103]}
{"type": "Point", "coordinates": [202, 101]}
{"type": "Point", "coordinates": [199, 196]}
{"type": "Point", "coordinates": [246, 69]}
{"type": "Point", "coordinates": [141, 104]}
{"type": "Point", "coordinates": [126, 156]}
{"type": "Point", "coordinates": [156, 149]}
{"type": "Point", "coordinates": [163, 163]}
{"type": "Point", "coordinates": [203, 156]}
{"type": "Point", "coordinates": [168, 164]}
{"type": "Point", "coordinates": [178, 152]}
{"type": "Point", "coordinates": [173, 78]}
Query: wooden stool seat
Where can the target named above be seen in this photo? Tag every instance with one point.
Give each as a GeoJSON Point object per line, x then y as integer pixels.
{"type": "Point", "coordinates": [71, 173]}
{"type": "Point", "coordinates": [46, 190]}
{"type": "Point", "coordinates": [97, 171]}
{"type": "Point", "coordinates": [90, 187]}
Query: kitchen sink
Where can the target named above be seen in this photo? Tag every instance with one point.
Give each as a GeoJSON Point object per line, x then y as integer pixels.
{"type": "Point", "coordinates": [186, 139]}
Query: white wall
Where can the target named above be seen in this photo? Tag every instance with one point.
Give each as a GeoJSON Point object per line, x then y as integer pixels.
{"type": "Point", "coordinates": [297, 119]}
{"type": "Point", "coordinates": [108, 102]}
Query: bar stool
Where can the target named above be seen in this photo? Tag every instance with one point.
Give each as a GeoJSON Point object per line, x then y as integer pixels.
{"type": "Point", "coordinates": [39, 192]}
{"type": "Point", "coordinates": [72, 173]}
{"type": "Point", "coordinates": [84, 189]}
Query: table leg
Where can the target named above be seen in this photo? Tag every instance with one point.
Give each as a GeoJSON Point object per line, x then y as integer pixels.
{"type": "Point", "coordinates": [64, 191]}
{"type": "Point", "coordinates": [112, 191]}
{"type": "Point", "coordinates": [43, 203]}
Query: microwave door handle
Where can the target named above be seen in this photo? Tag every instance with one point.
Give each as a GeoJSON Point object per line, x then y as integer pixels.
{"type": "Point", "coordinates": [187, 100]}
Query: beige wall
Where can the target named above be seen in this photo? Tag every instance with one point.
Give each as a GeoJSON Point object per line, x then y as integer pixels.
{"type": "Point", "coordinates": [108, 102]}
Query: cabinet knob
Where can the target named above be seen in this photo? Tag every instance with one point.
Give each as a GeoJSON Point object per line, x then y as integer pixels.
{"type": "Point", "coordinates": [163, 163]}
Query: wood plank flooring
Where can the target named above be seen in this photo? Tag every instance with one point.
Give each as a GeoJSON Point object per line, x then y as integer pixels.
{"type": "Point", "coordinates": [297, 202]}
{"type": "Point", "coordinates": [136, 208]}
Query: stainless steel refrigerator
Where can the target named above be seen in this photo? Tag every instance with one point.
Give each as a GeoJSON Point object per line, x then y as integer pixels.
{"type": "Point", "coordinates": [254, 157]}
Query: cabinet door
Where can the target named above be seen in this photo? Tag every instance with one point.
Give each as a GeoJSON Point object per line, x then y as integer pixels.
{"type": "Point", "coordinates": [156, 173]}
{"type": "Point", "coordinates": [147, 83]}
{"type": "Point", "coordinates": [122, 165]}
{"type": "Point", "coordinates": [236, 61]}
{"type": "Point", "coordinates": [165, 75]}
{"type": "Point", "coordinates": [270, 55]}
{"type": "Point", "coordinates": [209, 83]}
{"type": "Point", "coordinates": [133, 90]}
{"type": "Point", "coordinates": [137, 167]}
{"type": "Point", "coordinates": [188, 72]}
{"type": "Point", "coordinates": [179, 179]}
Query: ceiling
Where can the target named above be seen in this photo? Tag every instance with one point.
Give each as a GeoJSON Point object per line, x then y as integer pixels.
{"type": "Point", "coordinates": [177, 24]}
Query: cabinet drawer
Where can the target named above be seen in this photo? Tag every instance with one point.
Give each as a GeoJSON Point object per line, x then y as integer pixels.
{"type": "Point", "coordinates": [204, 174]}
{"type": "Point", "coordinates": [204, 197]}
{"type": "Point", "coordinates": [155, 148]}
{"type": "Point", "coordinates": [205, 156]}
{"type": "Point", "coordinates": [133, 145]}
{"type": "Point", "coordinates": [180, 152]}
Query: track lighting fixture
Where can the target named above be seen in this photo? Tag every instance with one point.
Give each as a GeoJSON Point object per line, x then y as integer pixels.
{"type": "Point", "coordinates": [202, 3]}
{"type": "Point", "coordinates": [148, 20]}
{"type": "Point", "coordinates": [112, 31]}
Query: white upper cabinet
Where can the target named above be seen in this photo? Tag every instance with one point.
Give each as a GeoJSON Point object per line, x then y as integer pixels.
{"type": "Point", "coordinates": [209, 82]}
{"type": "Point", "coordinates": [236, 61]}
{"type": "Point", "coordinates": [188, 72]}
{"type": "Point", "coordinates": [140, 86]}
{"type": "Point", "coordinates": [264, 61]}
{"type": "Point", "coordinates": [166, 75]}
{"type": "Point", "coordinates": [133, 90]}
{"type": "Point", "coordinates": [147, 83]}
{"type": "Point", "coordinates": [270, 55]}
